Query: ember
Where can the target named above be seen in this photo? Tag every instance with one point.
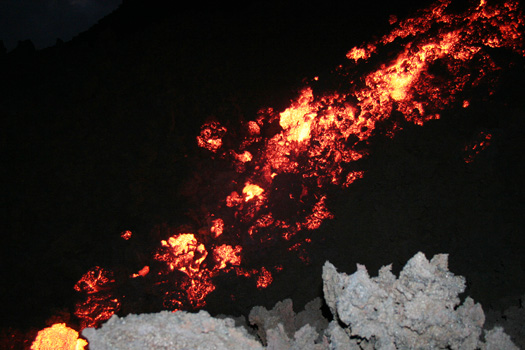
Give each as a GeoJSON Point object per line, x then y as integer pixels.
{"type": "Point", "coordinates": [143, 272]}
{"type": "Point", "coordinates": [481, 142]}
{"type": "Point", "coordinates": [211, 136]}
{"type": "Point", "coordinates": [265, 278]}
{"type": "Point", "coordinates": [126, 235]}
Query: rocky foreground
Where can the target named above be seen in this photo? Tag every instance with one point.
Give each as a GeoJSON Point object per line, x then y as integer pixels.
{"type": "Point", "coordinates": [420, 309]}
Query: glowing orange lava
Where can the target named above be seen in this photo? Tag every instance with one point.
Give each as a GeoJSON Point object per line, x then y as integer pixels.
{"type": "Point", "coordinates": [226, 254]}
{"type": "Point", "coordinates": [182, 252]}
{"type": "Point", "coordinates": [264, 279]}
{"type": "Point", "coordinates": [251, 191]}
{"type": "Point", "coordinates": [287, 163]}
{"type": "Point", "coordinates": [58, 337]}
{"type": "Point", "coordinates": [126, 235]}
{"type": "Point", "coordinates": [142, 272]}
{"type": "Point", "coordinates": [100, 303]}
{"type": "Point", "coordinates": [211, 136]}
{"type": "Point", "coordinates": [217, 227]}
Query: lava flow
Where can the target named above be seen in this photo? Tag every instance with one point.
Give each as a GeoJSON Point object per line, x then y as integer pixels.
{"type": "Point", "coordinates": [282, 167]}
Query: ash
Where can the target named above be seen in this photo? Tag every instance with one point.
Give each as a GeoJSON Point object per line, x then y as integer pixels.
{"type": "Point", "coordinates": [420, 309]}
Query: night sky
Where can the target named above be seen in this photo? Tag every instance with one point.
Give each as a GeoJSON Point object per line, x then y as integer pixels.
{"type": "Point", "coordinates": [101, 134]}
{"type": "Point", "coordinates": [45, 21]}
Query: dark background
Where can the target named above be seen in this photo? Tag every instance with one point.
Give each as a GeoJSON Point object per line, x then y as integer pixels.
{"type": "Point", "coordinates": [99, 137]}
{"type": "Point", "coordinates": [45, 22]}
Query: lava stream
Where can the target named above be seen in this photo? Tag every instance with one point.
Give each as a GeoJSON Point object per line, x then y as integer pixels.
{"type": "Point", "coordinates": [283, 169]}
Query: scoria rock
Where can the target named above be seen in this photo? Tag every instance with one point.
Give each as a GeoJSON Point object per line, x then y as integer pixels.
{"type": "Point", "coordinates": [418, 310]}
{"type": "Point", "coordinates": [290, 323]}
{"type": "Point", "coordinates": [169, 330]}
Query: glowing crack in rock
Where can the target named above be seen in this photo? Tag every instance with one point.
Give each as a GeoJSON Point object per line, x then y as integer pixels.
{"type": "Point", "coordinates": [287, 163]}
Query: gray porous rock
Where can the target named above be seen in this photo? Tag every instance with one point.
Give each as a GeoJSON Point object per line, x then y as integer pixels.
{"type": "Point", "coordinates": [281, 328]}
{"type": "Point", "coordinates": [265, 320]}
{"type": "Point", "coordinates": [339, 338]}
{"type": "Point", "coordinates": [169, 330]}
{"type": "Point", "coordinates": [512, 319]}
{"type": "Point", "coordinates": [418, 310]}
{"type": "Point", "coordinates": [497, 339]}
{"type": "Point", "coordinates": [304, 339]}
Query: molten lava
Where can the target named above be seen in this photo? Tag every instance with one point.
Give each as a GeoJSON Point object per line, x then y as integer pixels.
{"type": "Point", "coordinates": [251, 191]}
{"type": "Point", "coordinates": [142, 272]}
{"type": "Point", "coordinates": [100, 303]}
{"type": "Point", "coordinates": [126, 235]}
{"type": "Point", "coordinates": [287, 163]}
{"type": "Point", "coordinates": [58, 337]}
{"type": "Point", "coordinates": [264, 279]}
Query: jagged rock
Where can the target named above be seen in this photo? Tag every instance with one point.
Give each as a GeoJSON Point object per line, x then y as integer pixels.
{"type": "Point", "coordinates": [283, 314]}
{"type": "Point", "coordinates": [339, 338]}
{"type": "Point", "coordinates": [313, 316]}
{"type": "Point", "coordinates": [265, 320]}
{"type": "Point", "coordinates": [512, 319]}
{"type": "Point", "coordinates": [496, 339]}
{"type": "Point", "coordinates": [169, 330]}
{"type": "Point", "coordinates": [281, 328]}
{"type": "Point", "coordinates": [418, 310]}
{"type": "Point", "coordinates": [304, 339]}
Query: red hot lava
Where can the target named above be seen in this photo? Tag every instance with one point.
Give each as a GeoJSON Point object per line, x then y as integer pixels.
{"type": "Point", "coordinates": [285, 165]}
{"type": "Point", "coordinates": [58, 337]}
